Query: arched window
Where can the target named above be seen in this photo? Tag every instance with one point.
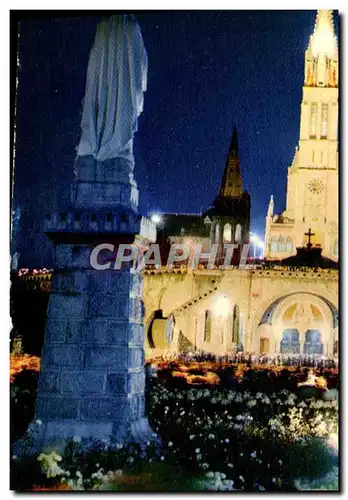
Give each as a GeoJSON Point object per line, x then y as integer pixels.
{"type": "Point", "coordinates": [217, 233]}
{"type": "Point", "coordinates": [282, 244]}
{"type": "Point", "coordinates": [227, 236]}
{"type": "Point", "coordinates": [238, 236]}
{"type": "Point", "coordinates": [313, 343]}
{"type": "Point", "coordinates": [274, 244]}
{"type": "Point", "coordinates": [289, 245]}
{"type": "Point", "coordinates": [290, 343]}
{"type": "Point", "coordinates": [207, 326]}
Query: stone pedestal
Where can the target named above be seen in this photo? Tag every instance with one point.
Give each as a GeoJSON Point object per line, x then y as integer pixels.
{"type": "Point", "coordinates": [109, 183]}
{"type": "Point", "coordinates": [92, 378]}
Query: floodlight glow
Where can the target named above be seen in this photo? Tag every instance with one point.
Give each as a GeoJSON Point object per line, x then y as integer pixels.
{"type": "Point", "coordinates": [156, 218]}
{"type": "Point", "coordinates": [221, 306]}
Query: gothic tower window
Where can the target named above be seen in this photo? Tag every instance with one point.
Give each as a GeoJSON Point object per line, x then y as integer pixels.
{"type": "Point", "coordinates": [282, 244]}
{"type": "Point", "coordinates": [227, 236]}
{"type": "Point", "coordinates": [207, 326]}
{"type": "Point", "coordinates": [238, 236]}
{"type": "Point", "coordinates": [324, 120]}
{"type": "Point", "coordinates": [274, 244]}
{"type": "Point", "coordinates": [289, 245]}
{"type": "Point", "coordinates": [217, 231]}
{"type": "Point", "coordinates": [313, 124]}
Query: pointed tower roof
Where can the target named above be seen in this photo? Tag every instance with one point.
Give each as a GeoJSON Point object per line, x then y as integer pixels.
{"type": "Point", "coordinates": [323, 40]}
{"type": "Point", "coordinates": [232, 185]}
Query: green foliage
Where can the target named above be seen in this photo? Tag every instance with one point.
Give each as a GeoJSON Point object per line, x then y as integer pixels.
{"type": "Point", "coordinates": [22, 402]}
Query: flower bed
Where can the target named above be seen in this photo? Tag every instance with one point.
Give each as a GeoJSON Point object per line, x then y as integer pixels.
{"type": "Point", "coordinates": [259, 439]}
{"type": "Point", "coordinates": [223, 427]}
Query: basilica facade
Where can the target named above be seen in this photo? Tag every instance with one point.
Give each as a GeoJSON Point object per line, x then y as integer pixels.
{"type": "Point", "coordinates": [289, 303]}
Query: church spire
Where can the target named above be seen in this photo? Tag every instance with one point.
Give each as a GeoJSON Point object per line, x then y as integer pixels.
{"type": "Point", "coordinates": [321, 68]}
{"type": "Point", "coordinates": [232, 185]}
{"type": "Point", "coordinates": [270, 207]}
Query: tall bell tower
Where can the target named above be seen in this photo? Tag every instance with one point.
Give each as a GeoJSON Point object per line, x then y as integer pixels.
{"type": "Point", "coordinates": [312, 183]}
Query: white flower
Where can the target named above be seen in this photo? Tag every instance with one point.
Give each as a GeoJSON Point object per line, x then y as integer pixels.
{"type": "Point", "coordinates": [38, 421]}
{"type": "Point", "coordinates": [230, 465]}
{"type": "Point", "coordinates": [197, 450]}
{"type": "Point", "coordinates": [253, 454]}
{"type": "Point", "coordinates": [170, 443]}
{"type": "Point", "coordinates": [192, 436]}
{"type": "Point", "coordinates": [77, 439]}
{"type": "Point", "coordinates": [241, 478]}
{"type": "Point", "coordinates": [227, 440]}
{"type": "Point", "coordinates": [162, 457]}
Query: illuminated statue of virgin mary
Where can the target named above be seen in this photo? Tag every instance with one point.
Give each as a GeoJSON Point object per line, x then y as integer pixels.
{"type": "Point", "coordinates": [116, 80]}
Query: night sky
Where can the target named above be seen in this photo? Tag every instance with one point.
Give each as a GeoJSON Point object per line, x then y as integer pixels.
{"type": "Point", "coordinates": [207, 72]}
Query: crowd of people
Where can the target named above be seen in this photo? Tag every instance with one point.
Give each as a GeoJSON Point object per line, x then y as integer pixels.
{"type": "Point", "coordinates": [276, 359]}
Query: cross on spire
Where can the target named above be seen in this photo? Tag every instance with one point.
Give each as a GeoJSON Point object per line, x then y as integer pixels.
{"type": "Point", "coordinates": [309, 234]}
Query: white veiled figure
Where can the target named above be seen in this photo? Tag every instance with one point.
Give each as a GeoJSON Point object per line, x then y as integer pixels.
{"type": "Point", "coordinates": [113, 101]}
{"type": "Point", "coordinates": [116, 80]}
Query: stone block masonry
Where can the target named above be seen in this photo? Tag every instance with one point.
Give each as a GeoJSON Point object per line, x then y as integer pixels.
{"type": "Point", "coordinates": [92, 365]}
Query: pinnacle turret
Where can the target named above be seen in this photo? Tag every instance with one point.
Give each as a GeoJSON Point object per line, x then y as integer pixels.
{"type": "Point", "coordinates": [323, 40]}
{"type": "Point", "coordinates": [270, 207]}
